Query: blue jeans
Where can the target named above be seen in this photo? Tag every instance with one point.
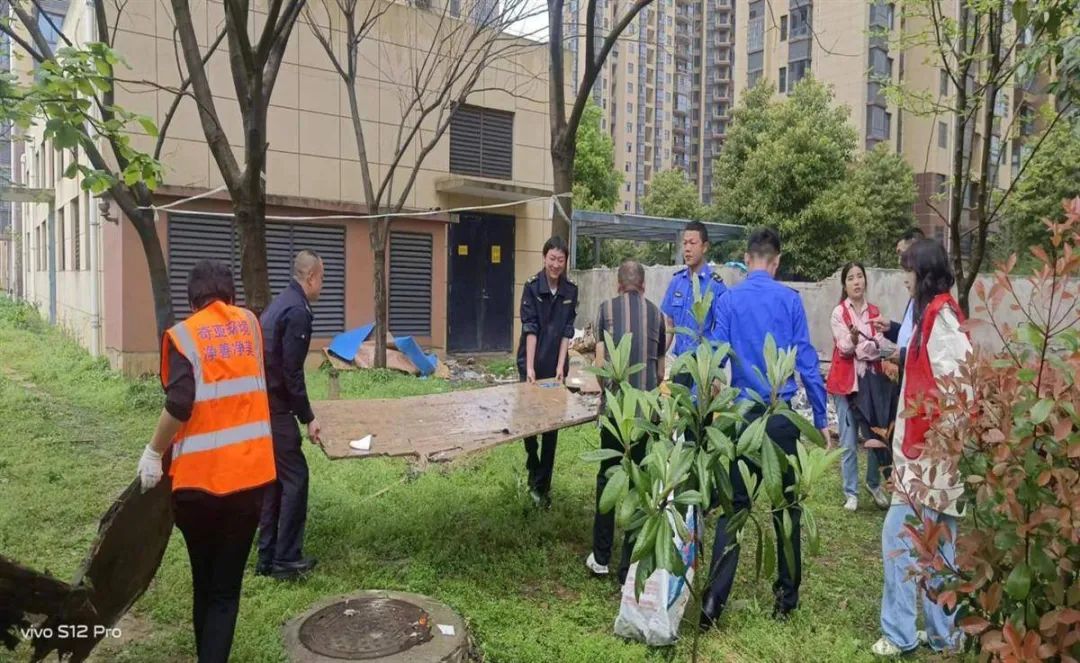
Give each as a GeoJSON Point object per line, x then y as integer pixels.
{"type": "Point", "coordinates": [849, 442]}
{"type": "Point", "coordinates": [898, 601]}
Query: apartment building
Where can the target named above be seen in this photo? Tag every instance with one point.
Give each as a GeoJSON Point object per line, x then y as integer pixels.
{"type": "Point", "coordinates": [854, 46]}
{"type": "Point", "coordinates": [453, 278]}
{"type": "Point", "coordinates": [665, 89]}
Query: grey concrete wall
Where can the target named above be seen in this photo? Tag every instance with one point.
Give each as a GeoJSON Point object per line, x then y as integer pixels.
{"type": "Point", "coordinates": [886, 290]}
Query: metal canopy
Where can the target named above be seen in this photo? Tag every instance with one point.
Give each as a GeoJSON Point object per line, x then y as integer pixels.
{"type": "Point", "coordinates": [639, 228]}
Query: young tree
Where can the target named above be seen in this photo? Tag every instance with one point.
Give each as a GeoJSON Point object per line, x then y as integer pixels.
{"type": "Point", "coordinates": [254, 67]}
{"type": "Point", "coordinates": [74, 92]}
{"type": "Point", "coordinates": [672, 195]}
{"type": "Point", "coordinates": [1052, 175]}
{"type": "Point", "coordinates": [882, 185]}
{"type": "Point", "coordinates": [564, 127]}
{"type": "Point", "coordinates": [983, 48]}
{"type": "Point", "coordinates": [453, 49]}
{"type": "Point", "coordinates": [786, 164]}
{"type": "Point", "coordinates": [596, 182]}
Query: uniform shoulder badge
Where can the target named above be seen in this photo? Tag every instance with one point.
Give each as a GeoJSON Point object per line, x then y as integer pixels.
{"type": "Point", "coordinates": [531, 279]}
{"type": "Point", "coordinates": [716, 277]}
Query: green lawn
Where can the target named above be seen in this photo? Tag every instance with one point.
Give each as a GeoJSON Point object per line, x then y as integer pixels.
{"type": "Point", "coordinates": [463, 533]}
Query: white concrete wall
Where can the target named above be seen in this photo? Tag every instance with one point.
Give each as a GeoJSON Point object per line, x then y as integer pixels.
{"type": "Point", "coordinates": [886, 290]}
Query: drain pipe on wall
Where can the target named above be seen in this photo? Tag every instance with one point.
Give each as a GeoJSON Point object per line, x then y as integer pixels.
{"type": "Point", "coordinates": [94, 224]}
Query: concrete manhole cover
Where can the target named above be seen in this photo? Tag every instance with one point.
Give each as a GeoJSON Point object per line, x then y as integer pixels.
{"type": "Point", "coordinates": [363, 629]}
{"type": "Point", "coordinates": [389, 627]}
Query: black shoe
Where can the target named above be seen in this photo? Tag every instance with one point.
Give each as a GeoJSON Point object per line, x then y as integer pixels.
{"type": "Point", "coordinates": [541, 500]}
{"type": "Point", "coordinates": [292, 570]}
{"type": "Point", "coordinates": [263, 569]}
{"type": "Point", "coordinates": [782, 614]}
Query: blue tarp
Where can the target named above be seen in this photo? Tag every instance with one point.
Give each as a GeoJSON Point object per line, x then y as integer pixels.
{"type": "Point", "coordinates": [347, 344]}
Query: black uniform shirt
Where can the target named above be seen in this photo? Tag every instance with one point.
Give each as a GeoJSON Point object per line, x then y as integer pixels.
{"type": "Point", "coordinates": [286, 325]}
{"type": "Point", "coordinates": [550, 317]}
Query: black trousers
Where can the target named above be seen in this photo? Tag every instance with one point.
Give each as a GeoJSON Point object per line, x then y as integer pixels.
{"type": "Point", "coordinates": [604, 523]}
{"type": "Point", "coordinates": [542, 465]}
{"type": "Point", "coordinates": [218, 531]}
{"type": "Point", "coordinates": [725, 561]}
{"type": "Point", "coordinates": [284, 507]}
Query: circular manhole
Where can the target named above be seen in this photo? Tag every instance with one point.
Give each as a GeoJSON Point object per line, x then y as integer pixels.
{"type": "Point", "coordinates": [383, 626]}
{"type": "Point", "coordinates": [365, 628]}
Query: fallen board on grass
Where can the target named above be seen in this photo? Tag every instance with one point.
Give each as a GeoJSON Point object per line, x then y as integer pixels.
{"type": "Point", "coordinates": [439, 427]}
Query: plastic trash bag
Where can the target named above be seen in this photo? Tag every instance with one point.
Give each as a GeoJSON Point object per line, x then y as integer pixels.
{"type": "Point", "coordinates": [654, 618]}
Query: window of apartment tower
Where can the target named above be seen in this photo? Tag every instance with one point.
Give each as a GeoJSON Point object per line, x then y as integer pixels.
{"type": "Point", "coordinates": [781, 80]}
{"type": "Point", "coordinates": [783, 28]}
{"type": "Point", "coordinates": [942, 184]}
{"type": "Point", "coordinates": [630, 67]}
{"type": "Point", "coordinates": [629, 147]}
{"type": "Point", "coordinates": [629, 127]}
{"type": "Point", "coordinates": [943, 83]}
{"type": "Point", "coordinates": [942, 135]}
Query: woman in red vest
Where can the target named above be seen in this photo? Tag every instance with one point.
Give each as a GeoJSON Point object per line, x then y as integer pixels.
{"type": "Point", "coordinates": [216, 428]}
{"type": "Point", "coordinates": [856, 395]}
{"type": "Point", "coordinates": [925, 488]}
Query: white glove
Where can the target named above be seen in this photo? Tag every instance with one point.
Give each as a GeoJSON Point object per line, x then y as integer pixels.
{"type": "Point", "coordinates": [149, 468]}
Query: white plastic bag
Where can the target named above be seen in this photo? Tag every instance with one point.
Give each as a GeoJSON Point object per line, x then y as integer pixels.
{"type": "Point", "coordinates": [655, 617]}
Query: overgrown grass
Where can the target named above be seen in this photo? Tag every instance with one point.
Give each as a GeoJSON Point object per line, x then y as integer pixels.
{"type": "Point", "coordinates": [463, 533]}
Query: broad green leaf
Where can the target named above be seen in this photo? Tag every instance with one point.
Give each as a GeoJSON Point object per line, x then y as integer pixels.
{"type": "Point", "coordinates": [1041, 411]}
{"type": "Point", "coordinates": [148, 126]}
{"type": "Point", "coordinates": [616, 485]}
{"type": "Point", "coordinates": [771, 472]}
{"type": "Point", "coordinates": [789, 551]}
{"type": "Point", "coordinates": [600, 455]}
{"type": "Point", "coordinates": [813, 541]}
{"type": "Point", "coordinates": [1018, 585]}
{"type": "Point", "coordinates": [751, 438]}
{"type": "Point", "coordinates": [813, 435]}
{"type": "Point", "coordinates": [690, 497]}
{"type": "Point", "coordinates": [759, 552]}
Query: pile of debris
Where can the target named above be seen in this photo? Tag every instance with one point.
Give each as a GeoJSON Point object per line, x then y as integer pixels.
{"type": "Point", "coordinates": [468, 369]}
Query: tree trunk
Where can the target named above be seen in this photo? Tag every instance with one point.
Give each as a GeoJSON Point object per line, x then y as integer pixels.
{"type": "Point", "coordinates": [250, 211]}
{"type": "Point", "coordinates": [562, 163]}
{"type": "Point", "coordinates": [378, 234]}
{"type": "Point", "coordinates": [159, 271]}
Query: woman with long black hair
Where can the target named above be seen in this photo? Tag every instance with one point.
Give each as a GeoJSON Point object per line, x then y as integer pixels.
{"type": "Point", "coordinates": [860, 391]}
{"type": "Point", "coordinates": [937, 348]}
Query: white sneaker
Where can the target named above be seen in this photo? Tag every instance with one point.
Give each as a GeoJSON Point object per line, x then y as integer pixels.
{"type": "Point", "coordinates": [922, 638]}
{"type": "Point", "coordinates": [597, 569]}
{"type": "Point", "coordinates": [851, 503]}
{"type": "Point", "coordinates": [884, 647]}
{"type": "Point", "coordinates": [881, 498]}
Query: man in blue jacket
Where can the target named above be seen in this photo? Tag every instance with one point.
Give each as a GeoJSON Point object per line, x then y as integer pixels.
{"type": "Point", "coordinates": [287, 326]}
{"type": "Point", "coordinates": [746, 315]}
{"type": "Point", "coordinates": [679, 299]}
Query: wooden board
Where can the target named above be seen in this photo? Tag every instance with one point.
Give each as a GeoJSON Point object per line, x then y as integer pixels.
{"type": "Point", "coordinates": [441, 426]}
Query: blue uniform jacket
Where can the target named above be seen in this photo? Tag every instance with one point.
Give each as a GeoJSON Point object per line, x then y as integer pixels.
{"type": "Point", "coordinates": [746, 315]}
{"type": "Point", "coordinates": [680, 298]}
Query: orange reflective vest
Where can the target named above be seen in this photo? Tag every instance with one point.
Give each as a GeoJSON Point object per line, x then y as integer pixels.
{"type": "Point", "coordinates": [226, 445]}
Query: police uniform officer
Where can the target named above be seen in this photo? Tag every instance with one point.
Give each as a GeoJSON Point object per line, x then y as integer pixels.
{"type": "Point", "coordinates": [747, 314]}
{"type": "Point", "coordinates": [287, 323]}
{"type": "Point", "coordinates": [678, 302]}
{"type": "Point", "coordinates": [548, 308]}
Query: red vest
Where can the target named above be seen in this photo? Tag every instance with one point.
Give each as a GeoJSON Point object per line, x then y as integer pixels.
{"type": "Point", "coordinates": [919, 380]}
{"type": "Point", "coordinates": [841, 378]}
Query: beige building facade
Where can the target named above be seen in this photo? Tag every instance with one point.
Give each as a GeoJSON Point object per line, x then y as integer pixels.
{"type": "Point", "coordinates": [454, 277]}
{"type": "Point", "coordinates": [856, 47]}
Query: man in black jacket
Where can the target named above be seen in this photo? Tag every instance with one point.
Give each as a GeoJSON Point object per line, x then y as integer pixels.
{"type": "Point", "coordinates": [286, 327]}
{"type": "Point", "coordinates": [548, 309]}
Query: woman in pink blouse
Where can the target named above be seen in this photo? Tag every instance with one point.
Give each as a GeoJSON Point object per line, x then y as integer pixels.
{"type": "Point", "coordinates": [858, 388]}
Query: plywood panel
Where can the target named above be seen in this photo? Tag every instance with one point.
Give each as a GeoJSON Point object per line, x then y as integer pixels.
{"type": "Point", "coordinates": [441, 426]}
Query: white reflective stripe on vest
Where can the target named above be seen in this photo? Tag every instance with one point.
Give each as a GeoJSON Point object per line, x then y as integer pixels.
{"type": "Point", "coordinates": [189, 349]}
{"type": "Point", "coordinates": [221, 438]}
{"type": "Point", "coordinates": [208, 391]}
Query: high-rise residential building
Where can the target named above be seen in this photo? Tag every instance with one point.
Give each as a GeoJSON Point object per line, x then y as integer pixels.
{"type": "Point", "coordinates": [856, 48]}
{"type": "Point", "coordinates": [665, 88]}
